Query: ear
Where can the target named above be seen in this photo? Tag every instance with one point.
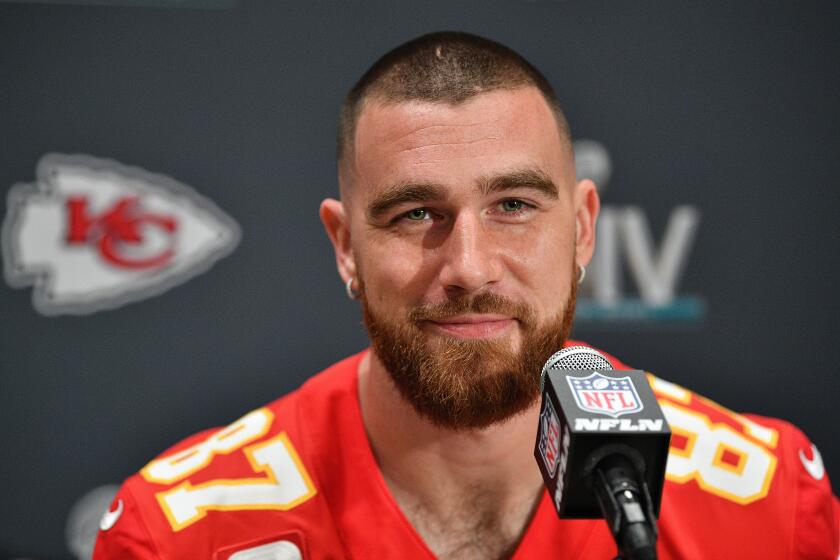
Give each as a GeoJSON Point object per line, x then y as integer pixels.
{"type": "Point", "coordinates": [587, 206]}
{"type": "Point", "coordinates": [337, 226]}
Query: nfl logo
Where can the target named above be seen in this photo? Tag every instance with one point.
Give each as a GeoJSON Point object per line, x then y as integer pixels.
{"type": "Point", "coordinates": [600, 394]}
{"type": "Point", "coordinates": [549, 444]}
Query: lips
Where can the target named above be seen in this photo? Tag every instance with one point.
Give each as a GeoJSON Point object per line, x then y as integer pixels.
{"type": "Point", "coordinates": [474, 325]}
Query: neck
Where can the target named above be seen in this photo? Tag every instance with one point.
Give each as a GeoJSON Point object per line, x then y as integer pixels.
{"type": "Point", "coordinates": [434, 466]}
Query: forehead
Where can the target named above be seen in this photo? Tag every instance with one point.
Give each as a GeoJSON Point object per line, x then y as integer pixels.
{"type": "Point", "coordinates": [454, 145]}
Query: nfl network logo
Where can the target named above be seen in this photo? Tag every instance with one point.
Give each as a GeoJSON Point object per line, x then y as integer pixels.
{"type": "Point", "coordinates": [605, 395]}
{"type": "Point", "coordinates": [549, 444]}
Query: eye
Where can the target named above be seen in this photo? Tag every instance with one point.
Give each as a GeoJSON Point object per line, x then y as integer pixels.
{"type": "Point", "coordinates": [512, 205]}
{"type": "Point", "coordinates": [417, 214]}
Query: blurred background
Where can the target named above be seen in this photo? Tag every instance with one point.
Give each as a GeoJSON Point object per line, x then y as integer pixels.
{"type": "Point", "coordinates": [711, 129]}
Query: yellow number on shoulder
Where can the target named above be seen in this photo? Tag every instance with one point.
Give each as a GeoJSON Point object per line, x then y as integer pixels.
{"type": "Point", "coordinates": [283, 485]}
{"type": "Point", "coordinates": [736, 466]}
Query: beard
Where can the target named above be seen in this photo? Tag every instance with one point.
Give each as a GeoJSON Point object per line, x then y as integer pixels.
{"type": "Point", "coordinates": [461, 383]}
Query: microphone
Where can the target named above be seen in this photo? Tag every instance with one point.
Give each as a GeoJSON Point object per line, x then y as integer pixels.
{"type": "Point", "coordinates": [602, 445]}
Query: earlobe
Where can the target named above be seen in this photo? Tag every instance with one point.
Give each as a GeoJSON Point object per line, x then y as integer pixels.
{"type": "Point", "coordinates": [587, 206]}
{"type": "Point", "coordinates": [337, 227]}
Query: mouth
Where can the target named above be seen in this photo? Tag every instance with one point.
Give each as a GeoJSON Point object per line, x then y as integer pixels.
{"type": "Point", "coordinates": [474, 325]}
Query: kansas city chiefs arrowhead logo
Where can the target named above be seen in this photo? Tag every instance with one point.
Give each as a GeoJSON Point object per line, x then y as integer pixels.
{"type": "Point", "coordinates": [93, 234]}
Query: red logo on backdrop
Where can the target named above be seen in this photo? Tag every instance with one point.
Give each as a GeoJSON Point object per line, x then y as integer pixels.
{"type": "Point", "coordinates": [114, 229]}
{"type": "Point", "coordinates": [93, 234]}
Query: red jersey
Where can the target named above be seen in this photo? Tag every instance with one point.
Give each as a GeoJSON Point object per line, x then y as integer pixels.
{"type": "Point", "coordinates": [297, 479]}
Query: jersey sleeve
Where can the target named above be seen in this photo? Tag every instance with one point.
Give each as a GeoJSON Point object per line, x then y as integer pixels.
{"type": "Point", "coordinates": [743, 485]}
{"type": "Point", "coordinates": [816, 531]}
{"type": "Point", "coordinates": [235, 491]}
{"type": "Point", "coordinates": [123, 533]}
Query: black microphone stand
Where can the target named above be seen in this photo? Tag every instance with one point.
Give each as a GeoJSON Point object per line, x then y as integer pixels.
{"type": "Point", "coordinates": [625, 501]}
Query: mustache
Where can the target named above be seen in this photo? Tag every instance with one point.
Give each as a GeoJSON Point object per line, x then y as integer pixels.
{"type": "Point", "coordinates": [486, 302]}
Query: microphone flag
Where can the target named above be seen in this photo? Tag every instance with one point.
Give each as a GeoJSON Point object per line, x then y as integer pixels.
{"type": "Point", "coordinates": [588, 415]}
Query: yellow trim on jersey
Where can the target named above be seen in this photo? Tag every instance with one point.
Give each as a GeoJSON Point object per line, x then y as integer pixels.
{"type": "Point", "coordinates": [720, 463]}
{"type": "Point", "coordinates": [147, 472]}
{"type": "Point", "coordinates": [269, 480]}
{"type": "Point", "coordinates": [765, 435]}
{"type": "Point", "coordinates": [696, 473]}
{"type": "Point", "coordinates": [673, 392]}
{"type": "Point", "coordinates": [670, 390]}
{"type": "Point", "coordinates": [690, 440]}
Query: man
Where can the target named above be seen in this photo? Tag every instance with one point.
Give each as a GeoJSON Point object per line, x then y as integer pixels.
{"type": "Point", "coordinates": [462, 230]}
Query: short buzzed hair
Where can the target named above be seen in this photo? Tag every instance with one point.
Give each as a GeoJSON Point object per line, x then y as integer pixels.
{"type": "Point", "coordinates": [443, 67]}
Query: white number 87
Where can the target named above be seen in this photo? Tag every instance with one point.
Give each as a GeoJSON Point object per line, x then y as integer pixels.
{"type": "Point", "coordinates": [284, 484]}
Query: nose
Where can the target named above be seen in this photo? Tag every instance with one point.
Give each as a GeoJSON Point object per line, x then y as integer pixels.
{"type": "Point", "coordinates": [470, 257]}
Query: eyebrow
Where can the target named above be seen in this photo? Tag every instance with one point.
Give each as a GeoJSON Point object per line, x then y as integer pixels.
{"type": "Point", "coordinates": [535, 179]}
{"type": "Point", "coordinates": [403, 193]}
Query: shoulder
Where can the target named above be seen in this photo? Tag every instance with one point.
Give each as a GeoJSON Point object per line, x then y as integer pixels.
{"type": "Point", "coordinates": [739, 475]}
{"type": "Point", "coordinates": [252, 483]}
{"type": "Point", "coordinates": [740, 485]}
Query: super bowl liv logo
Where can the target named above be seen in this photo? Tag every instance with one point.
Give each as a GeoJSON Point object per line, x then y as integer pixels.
{"type": "Point", "coordinates": [625, 242]}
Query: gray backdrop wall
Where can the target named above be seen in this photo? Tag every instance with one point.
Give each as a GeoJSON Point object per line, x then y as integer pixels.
{"type": "Point", "coordinates": [729, 109]}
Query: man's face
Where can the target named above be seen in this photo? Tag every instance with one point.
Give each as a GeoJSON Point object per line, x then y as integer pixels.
{"type": "Point", "coordinates": [464, 228]}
